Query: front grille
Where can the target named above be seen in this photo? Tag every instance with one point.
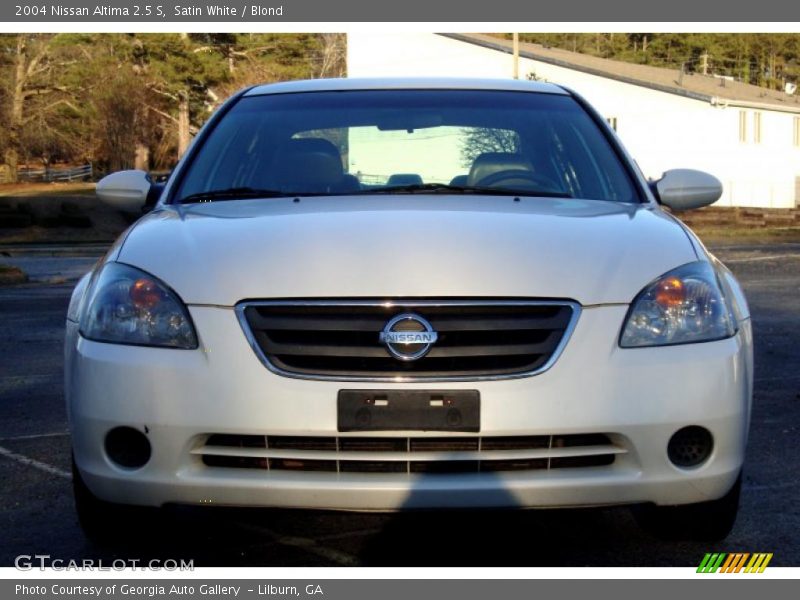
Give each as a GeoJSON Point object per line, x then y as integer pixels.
{"type": "Point", "coordinates": [340, 340]}
{"type": "Point", "coordinates": [432, 455]}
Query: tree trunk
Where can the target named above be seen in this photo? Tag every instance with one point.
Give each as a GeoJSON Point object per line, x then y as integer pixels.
{"type": "Point", "coordinates": [184, 135]}
{"type": "Point", "coordinates": [333, 53]}
{"type": "Point", "coordinates": [773, 76]}
{"type": "Point", "coordinates": [17, 109]}
{"type": "Point", "coordinates": [141, 159]}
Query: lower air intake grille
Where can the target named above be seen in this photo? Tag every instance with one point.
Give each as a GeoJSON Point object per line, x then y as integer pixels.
{"type": "Point", "coordinates": [408, 454]}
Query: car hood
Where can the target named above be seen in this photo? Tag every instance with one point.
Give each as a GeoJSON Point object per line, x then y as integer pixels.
{"type": "Point", "coordinates": [384, 246]}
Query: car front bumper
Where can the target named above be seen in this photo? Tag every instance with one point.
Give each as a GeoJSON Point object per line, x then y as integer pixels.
{"type": "Point", "coordinates": [638, 397]}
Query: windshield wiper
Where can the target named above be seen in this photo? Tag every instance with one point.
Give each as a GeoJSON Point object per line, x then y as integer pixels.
{"type": "Point", "coordinates": [443, 188]}
{"type": "Point", "coordinates": [242, 193]}
{"type": "Point", "coordinates": [234, 193]}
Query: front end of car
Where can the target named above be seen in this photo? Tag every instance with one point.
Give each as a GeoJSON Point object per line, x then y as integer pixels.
{"type": "Point", "coordinates": [527, 339]}
{"type": "Point", "coordinates": [572, 405]}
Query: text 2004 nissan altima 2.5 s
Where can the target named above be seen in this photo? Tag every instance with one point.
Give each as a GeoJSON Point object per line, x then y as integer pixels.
{"type": "Point", "coordinates": [403, 294]}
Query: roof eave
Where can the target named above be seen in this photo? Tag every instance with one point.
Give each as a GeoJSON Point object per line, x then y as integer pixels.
{"type": "Point", "coordinates": [678, 91]}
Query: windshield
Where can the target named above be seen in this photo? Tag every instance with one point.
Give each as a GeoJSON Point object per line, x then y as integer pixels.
{"type": "Point", "coordinates": [406, 141]}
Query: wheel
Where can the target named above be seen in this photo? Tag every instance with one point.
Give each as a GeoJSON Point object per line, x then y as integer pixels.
{"type": "Point", "coordinates": [105, 522]}
{"type": "Point", "coordinates": [539, 182]}
{"type": "Point", "coordinates": [704, 521]}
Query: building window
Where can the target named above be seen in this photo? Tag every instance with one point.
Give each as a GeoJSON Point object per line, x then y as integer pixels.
{"type": "Point", "coordinates": [757, 127]}
{"type": "Point", "coordinates": [742, 125]}
{"type": "Point", "coordinates": [797, 132]}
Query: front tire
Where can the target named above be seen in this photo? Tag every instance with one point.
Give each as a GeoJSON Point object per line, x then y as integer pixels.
{"type": "Point", "coordinates": [105, 522]}
{"type": "Point", "coordinates": [704, 521]}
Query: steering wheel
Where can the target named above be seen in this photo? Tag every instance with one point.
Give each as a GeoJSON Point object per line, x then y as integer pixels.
{"type": "Point", "coordinates": [541, 182]}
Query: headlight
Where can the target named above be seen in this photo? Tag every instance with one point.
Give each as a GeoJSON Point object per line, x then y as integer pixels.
{"type": "Point", "coordinates": [128, 306]}
{"type": "Point", "coordinates": [684, 306]}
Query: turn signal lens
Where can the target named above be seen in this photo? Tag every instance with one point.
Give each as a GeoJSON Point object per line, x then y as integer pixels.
{"type": "Point", "coordinates": [670, 292]}
{"type": "Point", "coordinates": [145, 293]}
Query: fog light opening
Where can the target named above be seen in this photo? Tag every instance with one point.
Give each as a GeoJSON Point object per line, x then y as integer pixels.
{"type": "Point", "coordinates": [690, 446]}
{"type": "Point", "coordinates": [128, 447]}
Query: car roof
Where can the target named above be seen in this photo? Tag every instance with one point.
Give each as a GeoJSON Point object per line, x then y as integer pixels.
{"type": "Point", "coordinates": [406, 83]}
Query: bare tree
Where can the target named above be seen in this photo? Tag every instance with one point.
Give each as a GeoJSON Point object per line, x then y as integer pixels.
{"type": "Point", "coordinates": [332, 55]}
{"type": "Point", "coordinates": [39, 104]}
{"type": "Point", "coordinates": [480, 140]}
{"type": "Point", "coordinates": [120, 121]}
{"type": "Point", "coordinates": [80, 96]}
{"type": "Point", "coordinates": [29, 61]}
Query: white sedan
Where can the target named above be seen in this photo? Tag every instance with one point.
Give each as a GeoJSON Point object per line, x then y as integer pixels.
{"type": "Point", "coordinates": [409, 294]}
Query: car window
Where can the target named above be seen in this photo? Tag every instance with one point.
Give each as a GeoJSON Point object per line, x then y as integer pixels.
{"type": "Point", "coordinates": [328, 143]}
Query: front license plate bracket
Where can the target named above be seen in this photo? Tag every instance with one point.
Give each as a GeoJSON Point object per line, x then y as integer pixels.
{"type": "Point", "coordinates": [409, 410]}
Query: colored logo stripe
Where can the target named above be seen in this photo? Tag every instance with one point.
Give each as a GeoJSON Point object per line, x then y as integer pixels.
{"type": "Point", "coordinates": [758, 563]}
{"type": "Point", "coordinates": [710, 563]}
{"type": "Point", "coordinates": [734, 563]}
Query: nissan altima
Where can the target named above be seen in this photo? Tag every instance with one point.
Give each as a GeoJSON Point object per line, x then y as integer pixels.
{"type": "Point", "coordinates": [410, 294]}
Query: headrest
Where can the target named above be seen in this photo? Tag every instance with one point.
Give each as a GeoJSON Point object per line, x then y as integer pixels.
{"type": "Point", "coordinates": [404, 179]}
{"type": "Point", "coordinates": [490, 163]}
{"type": "Point", "coordinates": [313, 145]}
{"type": "Point", "coordinates": [307, 165]}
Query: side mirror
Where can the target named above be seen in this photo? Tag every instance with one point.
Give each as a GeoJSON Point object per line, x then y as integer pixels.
{"type": "Point", "coordinates": [685, 189]}
{"type": "Point", "coordinates": [153, 196]}
{"type": "Point", "coordinates": [125, 190]}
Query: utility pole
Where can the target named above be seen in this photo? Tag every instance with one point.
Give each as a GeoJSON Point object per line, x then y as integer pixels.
{"type": "Point", "coordinates": [704, 58]}
{"type": "Point", "coordinates": [515, 38]}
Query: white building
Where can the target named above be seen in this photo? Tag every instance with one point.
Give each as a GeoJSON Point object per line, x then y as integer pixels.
{"type": "Point", "coordinates": [747, 136]}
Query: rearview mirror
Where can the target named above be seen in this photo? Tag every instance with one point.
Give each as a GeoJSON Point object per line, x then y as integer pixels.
{"type": "Point", "coordinates": [400, 121]}
{"type": "Point", "coordinates": [685, 189]}
{"type": "Point", "coordinates": [124, 190]}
